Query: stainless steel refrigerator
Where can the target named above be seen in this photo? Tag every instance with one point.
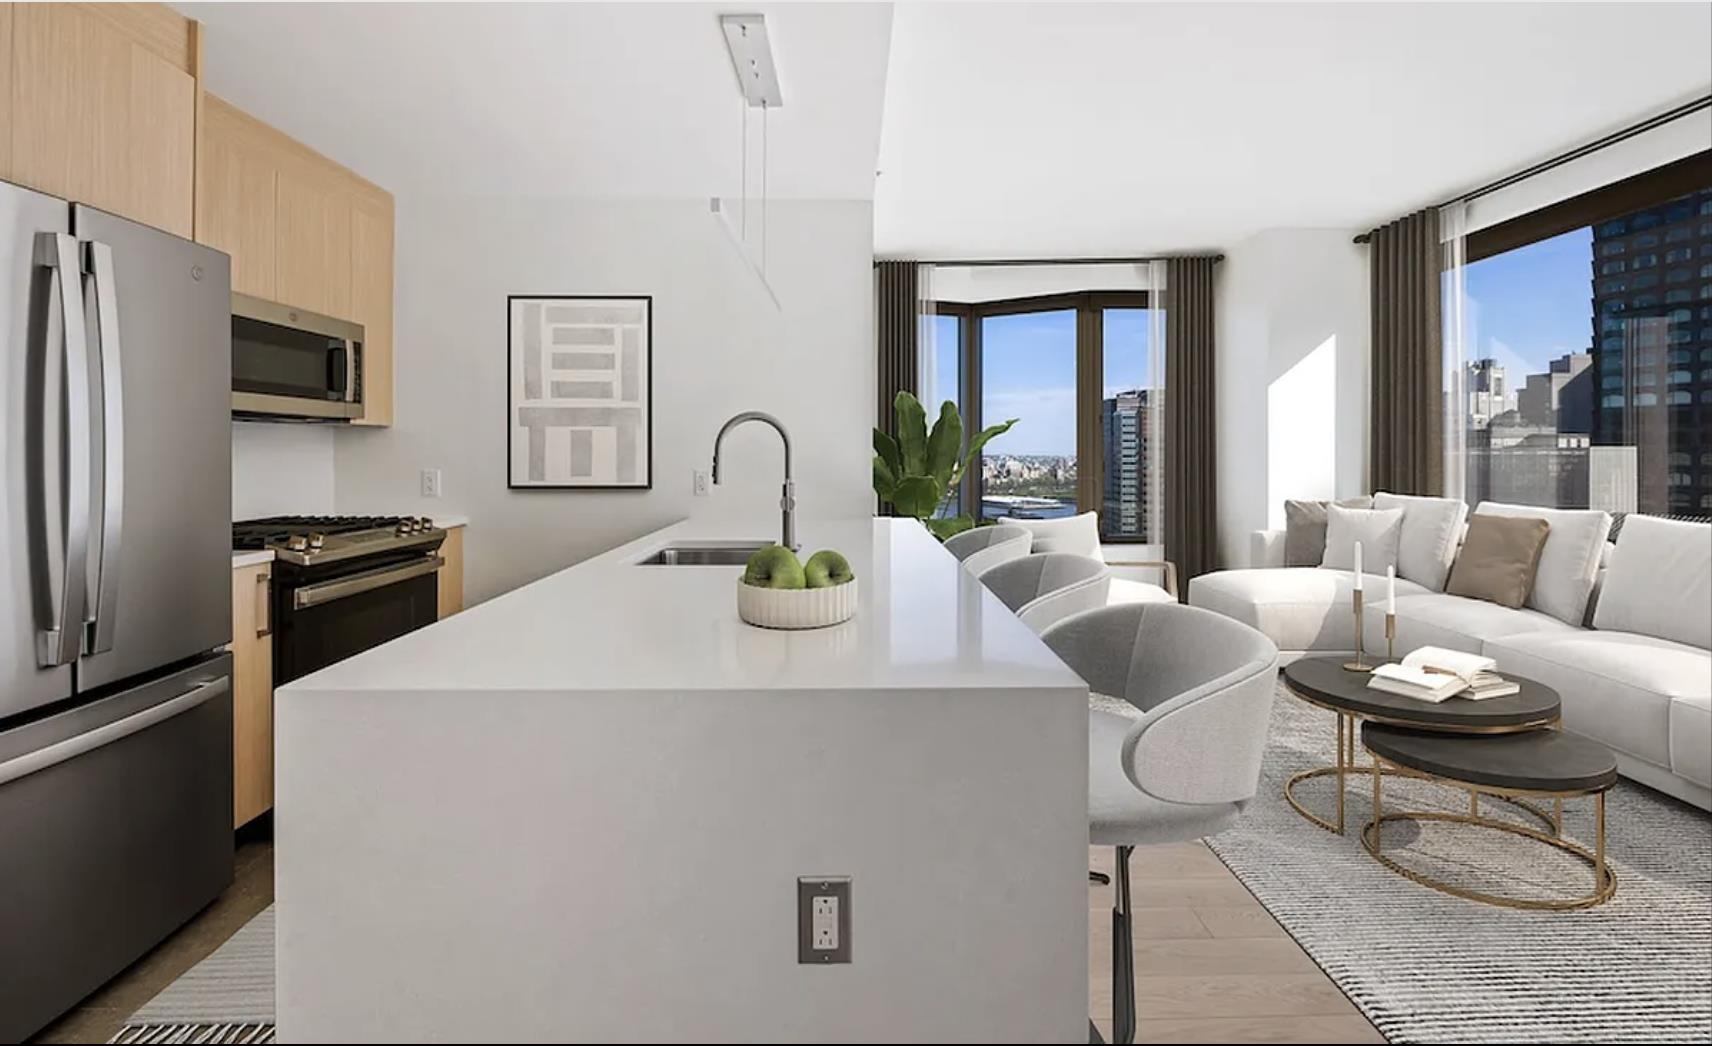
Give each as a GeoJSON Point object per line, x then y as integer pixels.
{"type": "Point", "coordinates": [115, 596]}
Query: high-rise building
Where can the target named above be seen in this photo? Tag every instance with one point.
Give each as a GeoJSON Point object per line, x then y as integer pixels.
{"type": "Point", "coordinates": [1562, 398]}
{"type": "Point", "coordinates": [1125, 421]}
{"type": "Point", "coordinates": [1652, 348]}
{"type": "Point", "coordinates": [1489, 392]}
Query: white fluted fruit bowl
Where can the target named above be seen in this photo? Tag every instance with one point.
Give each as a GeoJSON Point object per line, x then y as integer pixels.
{"type": "Point", "coordinates": [796, 608]}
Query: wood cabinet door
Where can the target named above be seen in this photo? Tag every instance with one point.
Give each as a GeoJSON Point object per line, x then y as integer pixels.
{"type": "Point", "coordinates": [100, 117]}
{"type": "Point", "coordinates": [6, 93]}
{"type": "Point", "coordinates": [452, 574]}
{"type": "Point", "coordinates": [371, 298]}
{"type": "Point", "coordinates": [236, 199]}
{"type": "Point", "coordinates": [252, 694]}
{"type": "Point", "coordinates": [312, 218]}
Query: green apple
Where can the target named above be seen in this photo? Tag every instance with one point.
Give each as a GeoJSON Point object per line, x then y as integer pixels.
{"type": "Point", "coordinates": [827, 568]}
{"type": "Point", "coordinates": [773, 566]}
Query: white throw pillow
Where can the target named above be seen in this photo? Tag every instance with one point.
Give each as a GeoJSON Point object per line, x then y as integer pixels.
{"type": "Point", "coordinates": [1659, 582]}
{"type": "Point", "coordinates": [1432, 529]}
{"type": "Point", "coordinates": [1569, 564]}
{"type": "Point", "coordinates": [1376, 529]}
{"type": "Point", "coordinates": [1078, 534]}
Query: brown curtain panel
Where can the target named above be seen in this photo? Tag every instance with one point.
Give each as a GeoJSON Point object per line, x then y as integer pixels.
{"type": "Point", "coordinates": [897, 327]}
{"type": "Point", "coordinates": [1406, 435]}
{"type": "Point", "coordinates": [1191, 477]}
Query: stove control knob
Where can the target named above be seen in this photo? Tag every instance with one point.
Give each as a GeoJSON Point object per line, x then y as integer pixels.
{"type": "Point", "coordinates": [403, 527]}
{"type": "Point", "coordinates": [297, 543]}
{"type": "Point", "coordinates": [317, 541]}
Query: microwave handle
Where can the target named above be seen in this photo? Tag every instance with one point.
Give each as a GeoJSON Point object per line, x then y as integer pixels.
{"type": "Point", "coordinates": [351, 350]}
{"type": "Point", "coordinates": [338, 370]}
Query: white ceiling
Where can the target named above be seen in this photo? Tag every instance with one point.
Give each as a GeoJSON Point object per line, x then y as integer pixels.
{"type": "Point", "coordinates": [624, 100]}
{"type": "Point", "coordinates": [1039, 130]}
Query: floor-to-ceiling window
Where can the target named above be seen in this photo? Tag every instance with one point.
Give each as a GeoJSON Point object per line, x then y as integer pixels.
{"type": "Point", "coordinates": [1588, 356]}
{"type": "Point", "coordinates": [1072, 450]}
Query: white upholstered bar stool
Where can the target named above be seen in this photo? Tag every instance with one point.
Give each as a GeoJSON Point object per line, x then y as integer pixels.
{"type": "Point", "coordinates": [1047, 586]}
{"type": "Point", "coordinates": [983, 548]}
{"type": "Point", "coordinates": [1175, 737]}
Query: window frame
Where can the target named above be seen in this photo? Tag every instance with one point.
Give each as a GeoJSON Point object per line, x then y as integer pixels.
{"type": "Point", "coordinates": [1089, 307]}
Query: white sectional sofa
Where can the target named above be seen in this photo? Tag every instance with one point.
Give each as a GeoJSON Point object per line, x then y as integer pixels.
{"type": "Point", "coordinates": [1623, 631]}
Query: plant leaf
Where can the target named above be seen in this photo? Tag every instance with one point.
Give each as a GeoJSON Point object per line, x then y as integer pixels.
{"type": "Point", "coordinates": [912, 434]}
{"type": "Point", "coordinates": [917, 496]}
{"type": "Point", "coordinates": [943, 444]}
{"type": "Point", "coordinates": [986, 434]}
{"type": "Point", "coordinates": [944, 528]}
{"type": "Point", "coordinates": [887, 448]}
{"type": "Point", "coordinates": [885, 480]}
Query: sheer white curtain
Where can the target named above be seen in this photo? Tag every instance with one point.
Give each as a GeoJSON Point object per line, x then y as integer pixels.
{"type": "Point", "coordinates": [1458, 334]}
{"type": "Point", "coordinates": [1153, 462]}
{"type": "Point", "coordinates": [930, 379]}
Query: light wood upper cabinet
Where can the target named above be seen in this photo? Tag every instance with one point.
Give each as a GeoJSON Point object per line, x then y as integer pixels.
{"type": "Point", "coordinates": [6, 91]}
{"type": "Point", "coordinates": [102, 108]}
{"type": "Point", "coordinates": [301, 230]}
{"type": "Point", "coordinates": [371, 299]}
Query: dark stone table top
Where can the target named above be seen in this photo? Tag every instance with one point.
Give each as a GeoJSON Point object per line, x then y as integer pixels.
{"type": "Point", "coordinates": [1324, 681]}
{"type": "Point", "coordinates": [1534, 760]}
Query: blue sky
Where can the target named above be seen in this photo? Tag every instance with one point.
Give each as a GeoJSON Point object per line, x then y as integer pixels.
{"type": "Point", "coordinates": [1030, 372]}
{"type": "Point", "coordinates": [1530, 306]}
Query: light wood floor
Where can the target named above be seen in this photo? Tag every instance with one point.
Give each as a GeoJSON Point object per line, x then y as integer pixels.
{"type": "Point", "coordinates": [1211, 965]}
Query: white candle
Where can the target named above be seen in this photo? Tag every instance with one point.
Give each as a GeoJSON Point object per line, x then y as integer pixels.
{"type": "Point", "coordinates": [1358, 566]}
{"type": "Point", "coordinates": [1391, 590]}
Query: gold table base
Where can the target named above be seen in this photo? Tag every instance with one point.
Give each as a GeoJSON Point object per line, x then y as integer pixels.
{"type": "Point", "coordinates": [1347, 766]}
{"type": "Point", "coordinates": [1604, 880]}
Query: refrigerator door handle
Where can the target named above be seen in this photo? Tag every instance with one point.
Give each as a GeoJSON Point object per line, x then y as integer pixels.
{"type": "Point", "coordinates": [98, 263]}
{"type": "Point", "coordinates": [62, 643]}
{"type": "Point", "coordinates": [72, 747]}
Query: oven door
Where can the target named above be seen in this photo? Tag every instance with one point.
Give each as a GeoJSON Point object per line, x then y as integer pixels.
{"type": "Point", "coordinates": [290, 363]}
{"type": "Point", "coordinates": [319, 620]}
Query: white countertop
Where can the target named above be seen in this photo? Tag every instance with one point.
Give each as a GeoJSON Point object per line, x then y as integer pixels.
{"type": "Point", "coordinates": [242, 558]}
{"type": "Point", "coordinates": [611, 624]}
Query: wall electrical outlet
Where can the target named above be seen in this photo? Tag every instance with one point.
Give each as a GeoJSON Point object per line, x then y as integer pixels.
{"type": "Point", "coordinates": [823, 919]}
{"type": "Point", "coordinates": [430, 483]}
{"type": "Point", "coordinates": [698, 482]}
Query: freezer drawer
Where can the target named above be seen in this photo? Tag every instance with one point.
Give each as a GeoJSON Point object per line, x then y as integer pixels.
{"type": "Point", "coordinates": [115, 828]}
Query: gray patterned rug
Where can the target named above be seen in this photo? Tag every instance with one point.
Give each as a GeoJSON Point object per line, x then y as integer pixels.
{"type": "Point", "coordinates": [1428, 967]}
{"type": "Point", "coordinates": [227, 997]}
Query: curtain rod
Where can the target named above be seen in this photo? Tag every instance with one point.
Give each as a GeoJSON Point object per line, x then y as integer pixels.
{"type": "Point", "coordinates": [1703, 102]}
{"type": "Point", "coordinates": [983, 262]}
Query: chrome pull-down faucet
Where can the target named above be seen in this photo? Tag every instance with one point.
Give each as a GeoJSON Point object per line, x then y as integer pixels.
{"type": "Point", "coordinates": [788, 493]}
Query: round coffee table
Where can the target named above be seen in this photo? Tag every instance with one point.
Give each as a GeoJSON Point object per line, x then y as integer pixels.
{"type": "Point", "coordinates": [1535, 763]}
{"type": "Point", "coordinates": [1324, 682]}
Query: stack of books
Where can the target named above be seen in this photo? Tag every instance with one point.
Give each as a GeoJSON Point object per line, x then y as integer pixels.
{"type": "Point", "coordinates": [1434, 674]}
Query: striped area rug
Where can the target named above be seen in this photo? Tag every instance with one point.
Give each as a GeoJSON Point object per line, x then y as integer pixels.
{"type": "Point", "coordinates": [1426, 967]}
{"type": "Point", "coordinates": [225, 998]}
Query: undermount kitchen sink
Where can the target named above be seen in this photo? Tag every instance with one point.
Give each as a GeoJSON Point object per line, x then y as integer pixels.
{"type": "Point", "coordinates": [730, 555]}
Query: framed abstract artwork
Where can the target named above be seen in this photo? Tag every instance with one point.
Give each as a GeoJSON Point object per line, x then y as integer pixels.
{"type": "Point", "coordinates": [579, 401]}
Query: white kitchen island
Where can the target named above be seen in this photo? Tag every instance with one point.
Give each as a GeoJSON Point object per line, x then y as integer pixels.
{"type": "Point", "coordinates": [578, 812]}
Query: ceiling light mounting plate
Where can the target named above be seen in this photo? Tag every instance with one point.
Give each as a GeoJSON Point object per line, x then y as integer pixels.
{"type": "Point", "coordinates": [752, 59]}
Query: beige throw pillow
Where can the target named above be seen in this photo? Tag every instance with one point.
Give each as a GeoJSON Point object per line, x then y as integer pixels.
{"type": "Point", "coordinates": [1499, 559]}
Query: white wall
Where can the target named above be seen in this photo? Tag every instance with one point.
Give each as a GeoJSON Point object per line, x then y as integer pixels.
{"type": "Point", "coordinates": [1292, 377]}
{"type": "Point", "coordinates": [281, 469]}
{"type": "Point", "coordinates": [720, 346]}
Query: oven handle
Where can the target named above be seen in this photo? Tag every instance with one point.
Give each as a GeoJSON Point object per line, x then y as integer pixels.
{"type": "Point", "coordinates": [367, 581]}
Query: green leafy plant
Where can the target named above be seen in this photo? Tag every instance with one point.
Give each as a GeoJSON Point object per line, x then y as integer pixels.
{"type": "Point", "coordinates": [919, 470]}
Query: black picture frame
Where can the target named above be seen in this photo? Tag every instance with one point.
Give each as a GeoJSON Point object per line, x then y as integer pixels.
{"type": "Point", "coordinates": [512, 361]}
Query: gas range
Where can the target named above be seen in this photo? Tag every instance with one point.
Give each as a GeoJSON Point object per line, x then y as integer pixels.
{"type": "Point", "coordinates": [308, 541]}
{"type": "Point", "coordinates": [342, 584]}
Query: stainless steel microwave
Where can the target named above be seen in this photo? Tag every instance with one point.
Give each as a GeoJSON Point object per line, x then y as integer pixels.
{"type": "Point", "coordinates": [292, 364]}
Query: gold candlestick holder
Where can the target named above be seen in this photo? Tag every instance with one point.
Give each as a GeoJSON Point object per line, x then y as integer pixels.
{"type": "Point", "coordinates": [1360, 663]}
{"type": "Point", "coordinates": [1390, 636]}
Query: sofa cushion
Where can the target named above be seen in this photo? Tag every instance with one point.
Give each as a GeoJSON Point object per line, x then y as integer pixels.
{"type": "Point", "coordinates": [1374, 530]}
{"type": "Point", "coordinates": [1617, 687]}
{"type": "Point", "coordinates": [1305, 529]}
{"type": "Point", "coordinates": [1659, 582]}
{"type": "Point", "coordinates": [1298, 608]}
{"type": "Point", "coordinates": [1427, 544]}
{"type": "Point", "coordinates": [1691, 738]}
{"type": "Point", "coordinates": [1078, 534]}
{"type": "Point", "coordinates": [1441, 619]}
{"type": "Point", "coordinates": [1129, 590]}
{"type": "Point", "coordinates": [1569, 562]}
{"type": "Point", "coordinates": [1498, 559]}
